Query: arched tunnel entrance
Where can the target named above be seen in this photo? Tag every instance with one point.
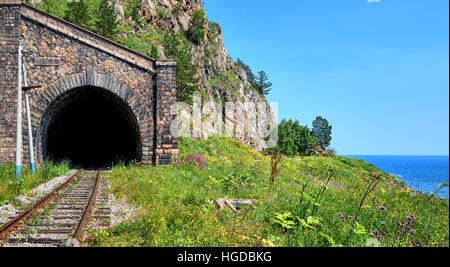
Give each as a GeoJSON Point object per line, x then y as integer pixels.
{"type": "Point", "coordinates": [91, 127]}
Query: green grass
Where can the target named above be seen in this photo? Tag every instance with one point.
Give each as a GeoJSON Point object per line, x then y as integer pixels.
{"type": "Point", "coordinates": [177, 203]}
{"type": "Point", "coordinates": [11, 188]}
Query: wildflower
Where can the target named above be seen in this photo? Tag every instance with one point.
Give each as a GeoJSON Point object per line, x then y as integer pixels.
{"type": "Point", "coordinates": [430, 235]}
{"type": "Point", "coordinates": [340, 214]}
{"type": "Point", "coordinates": [372, 234]}
{"type": "Point", "coordinates": [380, 238]}
{"type": "Point", "coordinates": [410, 218]}
{"type": "Point", "coordinates": [201, 162]}
{"type": "Point", "coordinates": [350, 217]}
{"type": "Point", "coordinates": [376, 232]}
{"type": "Point", "coordinates": [423, 244]}
{"type": "Point", "coordinates": [382, 208]}
{"type": "Point", "coordinates": [358, 219]}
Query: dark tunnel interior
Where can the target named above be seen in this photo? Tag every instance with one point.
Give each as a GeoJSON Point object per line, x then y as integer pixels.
{"type": "Point", "coordinates": [92, 128]}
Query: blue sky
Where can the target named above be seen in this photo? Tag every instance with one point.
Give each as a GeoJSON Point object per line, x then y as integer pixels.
{"type": "Point", "coordinates": [377, 71]}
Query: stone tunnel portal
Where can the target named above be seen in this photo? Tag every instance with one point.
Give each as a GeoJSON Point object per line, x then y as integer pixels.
{"type": "Point", "coordinates": [91, 127]}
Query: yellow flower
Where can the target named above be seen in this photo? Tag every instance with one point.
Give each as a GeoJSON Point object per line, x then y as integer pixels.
{"type": "Point", "coordinates": [267, 243]}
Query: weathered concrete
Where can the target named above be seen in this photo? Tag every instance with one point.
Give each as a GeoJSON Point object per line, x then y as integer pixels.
{"type": "Point", "coordinates": [69, 57]}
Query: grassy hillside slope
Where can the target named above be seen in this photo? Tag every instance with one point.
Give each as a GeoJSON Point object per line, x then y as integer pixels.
{"type": "Point", "coordinates": [177, 203]}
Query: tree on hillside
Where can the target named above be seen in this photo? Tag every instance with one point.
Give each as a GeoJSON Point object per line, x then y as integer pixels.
{"type": "Point", "coordinates": [78, 13]}
{"type": "Point", "coordinates": [106, 24]}
{"type": "Point", "coordinates": [250, 75]}
{"type": "Point", "coordinates": [197, 31]}
{"type": "Point", "coordinates": [294, 139]}
{"type": "Point", "coordinates": [187, 82]}
{"type": "Point", "coordinates": [322, 131]}
{"type": "Point", "coordinates": [262, 83]}
{"type": "Point", "coordinates": [54, 7]}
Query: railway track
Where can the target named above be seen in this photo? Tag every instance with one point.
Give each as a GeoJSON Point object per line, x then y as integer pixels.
{"type": "Point", "coordinates": [60, 218]}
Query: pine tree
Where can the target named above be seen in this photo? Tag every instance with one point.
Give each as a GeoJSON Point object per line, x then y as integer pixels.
{"type": "Point", "coordinates": [263, 85]}
{"type": "Point", "coordinates": [250, 75]}
{"type": "Point", "coordinates": [187, 82]}
{"type": "Point", "coordinates": [78, 13]}
{"type": "Point", "coordinates": [54, 7]}
{"type": "Point", "coordinates": [322, 131]}
{"type": "Point", "coordinates": [106, 24]}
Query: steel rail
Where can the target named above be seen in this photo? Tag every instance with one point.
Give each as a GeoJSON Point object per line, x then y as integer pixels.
{"type": "Point", "coordinates": [6, 229]}
{"type": "Point", "coordinates": [79, 233]}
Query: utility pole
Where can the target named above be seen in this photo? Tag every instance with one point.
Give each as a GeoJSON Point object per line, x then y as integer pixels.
{"type": "Point", "coordinates": [19, 112]}
{"type": "Point", "coordinates": [27, 103]}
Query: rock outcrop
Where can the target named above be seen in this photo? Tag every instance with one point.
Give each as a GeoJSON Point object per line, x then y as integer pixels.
{"type": "Point", "coordinates": [220, 77]}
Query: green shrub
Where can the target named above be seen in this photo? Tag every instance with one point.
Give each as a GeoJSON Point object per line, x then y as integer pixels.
{"type": "Point", "coordinates": [162, 14]}
{"type": "Point", "coordinates": [137, 43]}
{"type": "Point", "coordinates": [294, 139]}
{"type": "Point", "coordinates": [54, 7]}
{"type": "Point", "coordinates": [197, 31]}
{"type": "Point", "coordinates": [134, 13]}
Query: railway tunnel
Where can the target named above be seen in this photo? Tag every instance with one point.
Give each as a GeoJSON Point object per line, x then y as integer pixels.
{"type": "Point", "coordinates": [91, 127]}
{"type": "Point", "coordinates": [99, 103]}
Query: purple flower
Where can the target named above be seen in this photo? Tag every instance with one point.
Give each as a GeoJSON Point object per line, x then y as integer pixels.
{"type": "Point", "coordinates": [382, 208]}
{"type": "Point", "coordinates": [340, 214]}
{"type": "Point", "coordinates": [199, 160]}
{"type": "Point", "coordinates": [380, 238]}
{"type": "Point", "coordinates": [410, 218]}
{"type": "Point", "coordinates": [350, 217]}
{"type": "Point", "coordinates": [372, 234]}
{"type": "Point", "coordinates": [376, 232]}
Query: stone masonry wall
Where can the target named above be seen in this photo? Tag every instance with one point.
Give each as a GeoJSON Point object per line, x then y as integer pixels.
{"type": "Point", "coordinates": [166, 95]}
{"type": "Point", "coordinates": [76, 58]}
{"type": "Point", "coordinates": [9, 36]}
{"type": "Point", "coordinates": [67, 57]}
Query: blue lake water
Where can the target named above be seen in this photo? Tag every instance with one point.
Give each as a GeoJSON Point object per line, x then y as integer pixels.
{"type": "Point", "coordinates": [422, 173]}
